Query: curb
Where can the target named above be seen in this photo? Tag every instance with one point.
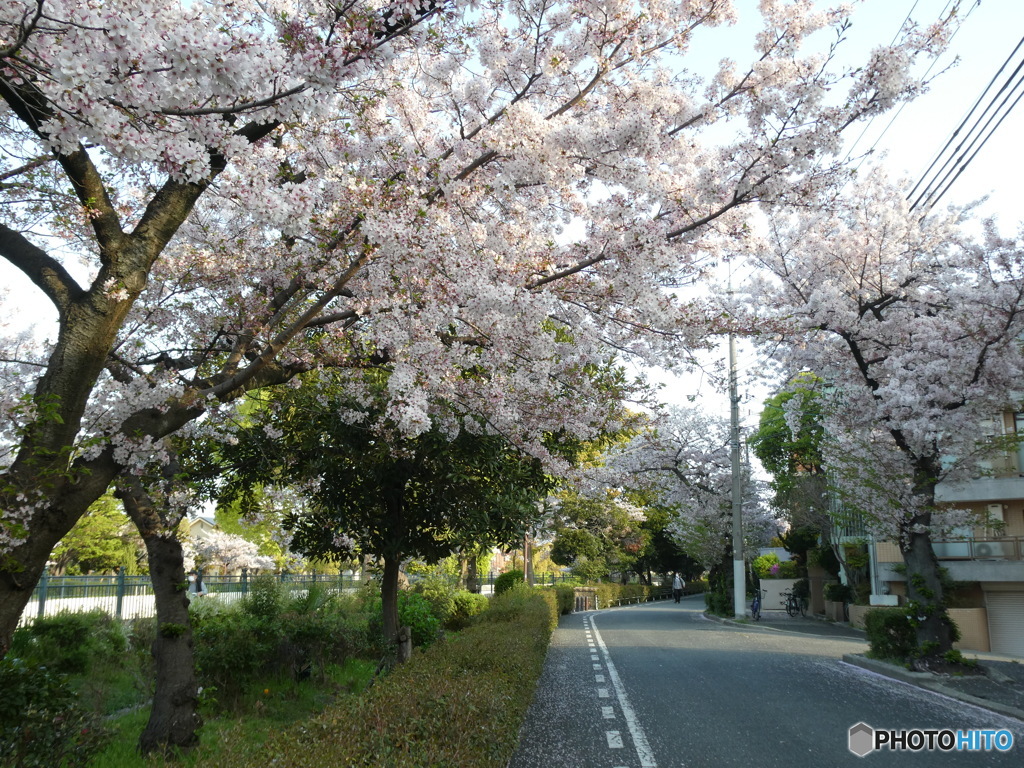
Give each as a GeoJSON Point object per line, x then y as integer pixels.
{"type": "Point", "coordinates": [927, 681]}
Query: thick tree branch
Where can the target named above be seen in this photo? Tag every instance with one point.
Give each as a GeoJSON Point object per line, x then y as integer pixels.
{"type": "Point", "coordinates": [42, 269]}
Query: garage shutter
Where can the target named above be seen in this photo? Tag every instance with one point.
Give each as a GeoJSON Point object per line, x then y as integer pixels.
{"type": "Point", "coordinates": [1006, 622]}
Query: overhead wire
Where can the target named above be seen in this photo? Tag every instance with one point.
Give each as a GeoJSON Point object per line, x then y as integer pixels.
{"type": "Point", "coordinates": [981, 130]}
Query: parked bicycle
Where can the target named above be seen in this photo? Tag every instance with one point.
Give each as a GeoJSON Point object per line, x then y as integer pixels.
{"type": "Point", "coordinates": [794, 605]}
{"type": "Point", "coordinates": [755, 606]}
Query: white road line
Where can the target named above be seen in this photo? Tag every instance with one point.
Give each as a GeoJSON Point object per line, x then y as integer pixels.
{"type": "Point", "coordinates": [602, 693]}
{"type": "Point", "coordinates": [598, 678]}
{"type": "Point", "coordinates": [608, 713]}
{"type": "Point", "coordinates": [614, 739]}
{"type": "Point", "coordinates": [643, 748]}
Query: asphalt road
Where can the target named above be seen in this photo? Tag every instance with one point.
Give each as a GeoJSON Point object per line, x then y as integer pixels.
{"type": "Point", "coordinates": [661, 686]}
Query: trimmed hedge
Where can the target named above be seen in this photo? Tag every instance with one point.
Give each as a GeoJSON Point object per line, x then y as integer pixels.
{"type": "Point", "coordinates": [459, 703]}
{"type": "Point", "coordinates": [891, 635]}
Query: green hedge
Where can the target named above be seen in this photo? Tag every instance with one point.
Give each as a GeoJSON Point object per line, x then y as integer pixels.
{"type": "Point", "coordinates": [891, 635]}
{"type": "Point", "coordinates": [608, 594]}
{"type": "Point", "coordinates": [459, 703]}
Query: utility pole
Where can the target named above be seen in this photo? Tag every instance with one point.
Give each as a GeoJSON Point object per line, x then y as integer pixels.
{"type": "Point", "coordinates": [739, 581]}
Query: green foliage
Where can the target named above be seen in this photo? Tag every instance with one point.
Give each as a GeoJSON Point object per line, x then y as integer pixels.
{"type": "Point", "coordinates": [461, 703]}
{"type": "Point", "coordinates": [565, 598]}
{"type": "Point", "coordinates": [591, 533]}
{"type": "Point", "coordinates": [41, 721]}
{"type": "Point", "coordinates": [69, 642]}
{"type": "Point", "coordinates": [440, 592]}
{"type": "Point", "coordinates": [102, 541]}
{"type": "Point", "coordinates": [590, 571]}
{"type": "Point", "coordinates": [783, 454]}
{"type": "Point", "coordinates": [265, 599]}
{"type": "Point", "coordinates": [170, 630]}
{"type": "Point", "coordinates": [802, 589]}
{"type": "Point", "coordinates": [719, 601]}
{"type": "Point", "coordinates": [416, 612]}
{"type": "Point", "coordinates": [467, 605]}
{"type": "Point", "coordinates": [507, 580]}
{"type": "Point", "coordinates": [838, 593]}
{"type": "Point", "coordinates": [954, 656]}
{"type": "Point", "coordinates": [824, 557]}
{"type": "Point", "coordinates": [890, 633]}
{"type": "Point", "coordinates": [768, 566]}
{"type": "Point", "coordinates": [272, 635]}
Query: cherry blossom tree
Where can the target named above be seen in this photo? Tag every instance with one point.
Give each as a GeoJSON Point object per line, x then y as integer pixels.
{"type": "Point", "coordinates": [228, 551]}
{"type": "Point", "coordinates": [916, 327]}
{"type": "Point", "coordinates": [214, 196]}
{"type": "Point", "coordinates": [683, 461]}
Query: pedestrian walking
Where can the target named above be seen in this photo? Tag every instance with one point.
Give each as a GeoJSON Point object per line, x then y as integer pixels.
{"type": "Point", "coordinates": [195, 584]}
{"type": "Point", "coordinates": [677, 587]}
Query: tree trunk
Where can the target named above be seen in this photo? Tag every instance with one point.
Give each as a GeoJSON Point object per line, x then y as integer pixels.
{"type": "Point", "coordinates": [389, 598]}
{"type": "Point", "coordinates": [925, 592]}
{"type": "Point", "coordinates": [174, 719]}
{"type": "Point", "coordinates": [924, 585]}
{"type": "Point", "coordinates": [472, 578]}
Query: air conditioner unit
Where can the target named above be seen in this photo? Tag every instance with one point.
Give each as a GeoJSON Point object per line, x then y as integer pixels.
{"type": "Point", "coordinates": [983, 550]}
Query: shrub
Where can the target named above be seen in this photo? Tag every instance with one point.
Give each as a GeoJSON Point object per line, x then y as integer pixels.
{"type": "Point", "coordinates": [890, 634]}
{"type": "Point", "coordinates": [566, 598]}
{"type": "Point", "coordinates": [467, 605]}
{"type": "Point", "coordinates": [802, 589]}
{"type": "Point", "coordinates": [70, 642]}
{"type": "Point", "coordinates": [231, 647]}
{"type": "Point", "coordinates": [441, 595]}
{"type": "Point", "coordinates": [838, 593]}
{"type": "Point", "coordinates": [461, 703]}
{"type": "Point", "coordinates": [768, 566]}
{"type": "Point", "coordinates": [266, 598]}
{"type": "Point", "coordinates": [719, 601]}
{"type": "Point", "coordinates": [507, 580]}
{"type": "Point", "coordinates": [41, 722]}
{"type": "Point", "coordinates": [416, 612]}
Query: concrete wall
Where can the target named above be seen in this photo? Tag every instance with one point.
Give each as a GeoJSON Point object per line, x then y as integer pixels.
{"type": "Point", "coordinates": [973, 626]}
{"type": "Point", "coordinates": [773, 589]}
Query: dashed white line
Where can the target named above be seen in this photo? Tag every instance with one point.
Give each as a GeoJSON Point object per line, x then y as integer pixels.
{"type": "Point", "coordinates": [602, 693]}
{"type": "Point", "coordinates": [598, 678]}
{"type": "Point", "coordinates": [614, 739]}
{"type": "Point", "coordinates": [643, 748]}
{"type": "Point", "coordinates": [608, 713]}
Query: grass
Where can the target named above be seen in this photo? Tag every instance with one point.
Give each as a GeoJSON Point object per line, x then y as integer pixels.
{"type": "Point", "coordinates": [268, 706]}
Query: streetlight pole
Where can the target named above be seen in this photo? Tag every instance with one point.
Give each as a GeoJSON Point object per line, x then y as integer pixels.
{"type": "Point", "coordinates": [739, 581]}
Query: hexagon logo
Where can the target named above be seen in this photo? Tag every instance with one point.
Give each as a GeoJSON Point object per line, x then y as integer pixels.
{"type": "Point", "coordinates": [862, 739]}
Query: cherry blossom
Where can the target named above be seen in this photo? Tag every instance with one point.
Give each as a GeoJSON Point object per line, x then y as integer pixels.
{"type": "Point", "coordinates": [490, 199]}
{"type": "Point", "coordinates": [915, 325]}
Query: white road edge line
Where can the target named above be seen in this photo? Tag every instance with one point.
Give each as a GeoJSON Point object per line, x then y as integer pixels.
{"type": "Point", "coordinates": [643, 748]}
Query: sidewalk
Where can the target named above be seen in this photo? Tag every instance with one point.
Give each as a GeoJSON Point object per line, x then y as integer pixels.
{"type": "Point", "coordinates": [1000, 689]}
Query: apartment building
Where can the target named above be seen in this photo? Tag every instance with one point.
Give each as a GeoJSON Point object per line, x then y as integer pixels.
{"type": "Point", "coordinates": [987, 560]}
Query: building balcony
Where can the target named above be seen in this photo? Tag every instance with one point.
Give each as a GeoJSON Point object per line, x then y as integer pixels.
{"type": "Point", "coordinates": [982, 489]}
{"type": "Point", "coordinates": [1002, 548]}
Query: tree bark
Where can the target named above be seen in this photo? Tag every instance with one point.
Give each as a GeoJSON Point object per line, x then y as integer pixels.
{"type": "Point", "coordinates": [174, 719]}
{"type": "Point", "coordinates": [926, 595]}
{"type": "Point", "coordinates": [389, 598]}
{"type": "Point", "coordinates": [472, 579]}
{"type": "Point", "coordinates": [924, 584]}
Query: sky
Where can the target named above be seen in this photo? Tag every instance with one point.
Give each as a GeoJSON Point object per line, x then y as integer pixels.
{"type": "Point", "coordinates": [903, 143]}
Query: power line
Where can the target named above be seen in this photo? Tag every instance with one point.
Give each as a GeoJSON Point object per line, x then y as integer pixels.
{"type": "Point", "coordinates": [981, 130]}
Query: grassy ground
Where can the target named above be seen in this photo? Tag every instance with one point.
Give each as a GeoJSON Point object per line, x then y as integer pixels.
{"type": "Point", "coordinates": [267, 707]}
